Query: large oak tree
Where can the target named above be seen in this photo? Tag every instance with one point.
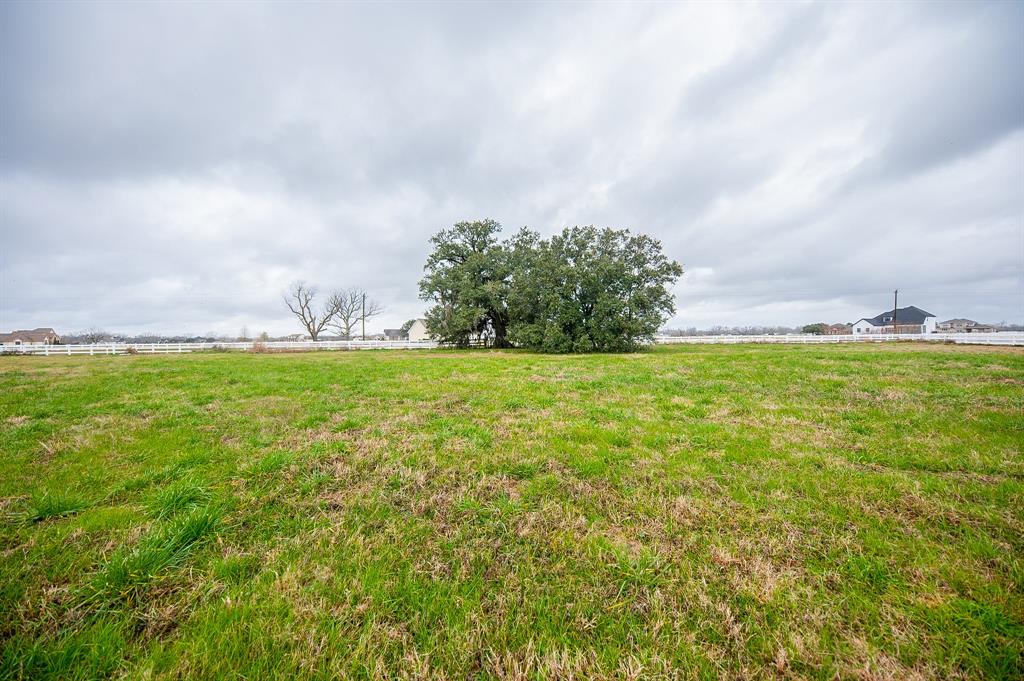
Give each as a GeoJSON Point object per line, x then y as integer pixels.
{"type": "Point", "coordinates": [590, 290]}
{"type": "Point", "coordinates": [584, 290]}
{"type": "Point", "coordinates": [466, 276]}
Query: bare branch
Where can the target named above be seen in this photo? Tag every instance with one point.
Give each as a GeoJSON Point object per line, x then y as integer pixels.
{"type": "Point", "coordinates": [350, 310]}
{"type": "Point", "coordinates": [299, 298]}
{"type": "Point", "coordinates": [94, 335]}
{"type": "Point", "coordinates": [372, 309]}
{"type": "Point", "coordinates": [347, 304]}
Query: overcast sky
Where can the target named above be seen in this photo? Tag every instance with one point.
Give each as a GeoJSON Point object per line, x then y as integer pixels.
{"type": "Point", "coordinates": [172, 167]}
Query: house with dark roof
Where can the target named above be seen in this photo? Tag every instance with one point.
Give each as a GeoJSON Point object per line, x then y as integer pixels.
{"type": "Point", "coordinates": [903, 320]}
{"type": "Point", "coordinates": [394, 334]}
{"type": "Point", "coordinates": [43, 334]}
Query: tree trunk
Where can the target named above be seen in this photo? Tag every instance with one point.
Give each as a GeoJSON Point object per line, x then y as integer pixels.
{"type": "Point", "coordinates": [500, 334]}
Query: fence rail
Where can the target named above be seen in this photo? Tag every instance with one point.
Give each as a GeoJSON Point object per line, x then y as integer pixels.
{"type": "Point", "coordinates": [999, 338]}
{"type": "Point", "coordinates": [244, 346]}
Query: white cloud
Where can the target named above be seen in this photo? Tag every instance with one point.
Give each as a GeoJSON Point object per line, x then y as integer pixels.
{"type": "Point", "coordinates": [171, 167]}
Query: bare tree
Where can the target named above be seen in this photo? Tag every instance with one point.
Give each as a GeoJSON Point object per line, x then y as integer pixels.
{"type": "Point", "coordinates": [93, 335]}
{"type": "Point", "coordinates": [348, 303]}
{"type": "Point", "coordinates": [353, 307]}
{"type": "Point", "coordinates": [371, 308]}
{"type": "Point", "coordinates": [300, 300]}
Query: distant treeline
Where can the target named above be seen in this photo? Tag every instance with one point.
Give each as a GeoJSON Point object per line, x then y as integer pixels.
{"type": "Point", "coordinates": [732, 331]}
{"type": "Point", "coordinates": [774, 330]}
{"type": "Point", "coordinates": [87, 337]}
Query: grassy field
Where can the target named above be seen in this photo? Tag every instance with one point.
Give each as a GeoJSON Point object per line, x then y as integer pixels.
{"type": "Point", "coordinates": [690, 512]}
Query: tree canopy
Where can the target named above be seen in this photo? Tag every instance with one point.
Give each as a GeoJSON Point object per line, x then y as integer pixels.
{"type": "Point", "coordinates": [817, 329]}
{"type": "Point", "coordinates": [583, 290]}
{"type": "Point", "coordinates": [467, 277]}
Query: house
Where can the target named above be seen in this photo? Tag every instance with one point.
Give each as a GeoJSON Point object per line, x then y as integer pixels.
{"type": "Point", "coordinates": [908, 320]}
{"type": "Point", "coordinates": [838, 330]}
{"type": "Point", "coordinates": [418, 331]}
{"type": "Point", "coordinates": [44, 335]}
{"type": "Point", "coordinates": [964, 326]}
{"type": "Point", "coordinates": [394, 334]}
{"type": "Point", "coordinates": [955, 325]}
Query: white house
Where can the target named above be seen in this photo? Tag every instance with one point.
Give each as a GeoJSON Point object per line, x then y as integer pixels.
{"type": "Point", "coordinates": [908, 320]}
{"type": "Point", "coordinates": [418, 331]}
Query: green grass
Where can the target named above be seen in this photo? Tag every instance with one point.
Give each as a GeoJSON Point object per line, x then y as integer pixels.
{"type": "Point", "coordinates": [692, 512]}
{"type": "Point", "coordinates": [53, 505]}
{"type": "Point", "coordinates": [180, 495]}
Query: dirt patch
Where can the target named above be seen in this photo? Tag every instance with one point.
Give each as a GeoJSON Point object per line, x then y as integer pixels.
{"type": "Point", "coordinates": [1006, 380]}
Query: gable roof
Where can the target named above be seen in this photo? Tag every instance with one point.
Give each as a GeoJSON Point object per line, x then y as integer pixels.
{"type": "Point", "coordinates": [29, 335]}
{"type": "Point", "coordinates": [904, 315]}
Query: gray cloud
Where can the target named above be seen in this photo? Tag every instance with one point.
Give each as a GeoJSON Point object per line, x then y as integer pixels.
{"type": "Point", "coordinates": [172, 166]}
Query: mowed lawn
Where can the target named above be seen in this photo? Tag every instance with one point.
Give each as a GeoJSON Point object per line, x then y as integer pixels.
{"type": "Point", "coordinates": [688, 512]}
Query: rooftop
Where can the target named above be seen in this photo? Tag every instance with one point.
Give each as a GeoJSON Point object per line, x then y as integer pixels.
{"type": "Point", "coordinates": [904, 315]}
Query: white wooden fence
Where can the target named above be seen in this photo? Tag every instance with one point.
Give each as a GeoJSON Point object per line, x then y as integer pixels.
{"type": "Point", "coordinates": [171, 348]}
{"type": "Point", "coordinates": [1000, 338]}
{"type": "Point", "coordinates": [997, 338]}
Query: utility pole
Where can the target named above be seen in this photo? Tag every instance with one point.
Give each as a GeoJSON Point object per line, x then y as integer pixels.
{"type": "Point", "coordinates": [363, 317]}
{"type": "Point", "coordinates": [895, 299]}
